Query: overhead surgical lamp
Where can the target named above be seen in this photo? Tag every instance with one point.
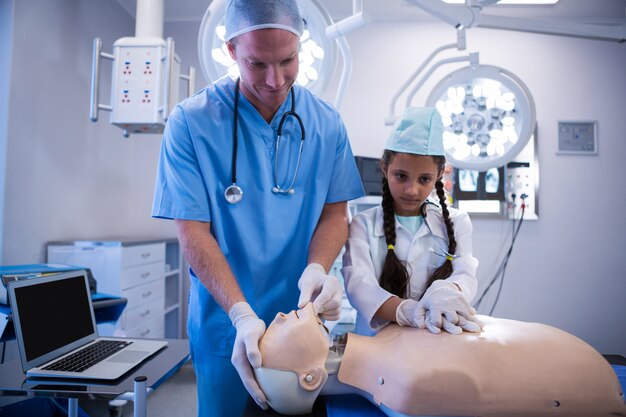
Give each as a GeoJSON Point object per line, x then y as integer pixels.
{"type": "Point", "coordinates": [488, 116]}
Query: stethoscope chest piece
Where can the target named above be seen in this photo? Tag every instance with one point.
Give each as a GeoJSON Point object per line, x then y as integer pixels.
{"type": "Point", "coordinates": [233, 194]}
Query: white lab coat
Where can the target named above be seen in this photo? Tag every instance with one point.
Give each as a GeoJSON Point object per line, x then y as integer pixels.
{"type": "Point", "coordinates": [366, 250]}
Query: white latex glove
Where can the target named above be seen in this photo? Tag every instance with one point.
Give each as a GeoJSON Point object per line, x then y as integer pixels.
{"type": "Point", "coordinates": [324, 291]}
{"type": "Point", "coordinates": [447, 309]}
{"type": "Point", "coordinates": [246, 353]}
{"type": "Point", "coordinates": [411, 313]}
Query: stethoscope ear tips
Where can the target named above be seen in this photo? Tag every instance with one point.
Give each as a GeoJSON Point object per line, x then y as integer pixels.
{"type": "Point", "coordinates": [275, 190]}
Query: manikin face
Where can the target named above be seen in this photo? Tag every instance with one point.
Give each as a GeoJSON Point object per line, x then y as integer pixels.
{"type": "Point", "coordinates": [411, 180]}
{"type": "Point", "coordinates": [297, 342]}
{"type": "Point", "coordinates": [268, 64]}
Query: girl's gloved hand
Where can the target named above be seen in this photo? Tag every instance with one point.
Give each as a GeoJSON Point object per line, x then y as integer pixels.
{"type": "Point", "coordinates": [411, 313]}
{"type": "Point", "coordinates": [446, 308]}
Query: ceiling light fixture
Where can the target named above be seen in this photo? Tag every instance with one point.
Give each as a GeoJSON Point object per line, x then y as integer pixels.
{"type": "Point", "coordinates": [488, 115]}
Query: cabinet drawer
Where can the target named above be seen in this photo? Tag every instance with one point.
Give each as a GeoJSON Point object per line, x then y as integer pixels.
{"type": "Point", "coordinates": [133, 317]}
{"type": "Point", "coordinates": [144, 294]}
{"type": "Point", "coordinates": [142, 274]}
{"type": "Point", "coordinates": [143, 254]}
{"type": "Point", "coordinates": [149, 329]}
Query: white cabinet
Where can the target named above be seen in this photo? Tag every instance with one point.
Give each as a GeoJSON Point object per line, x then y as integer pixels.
{"type": "Point", "coordinates": [147, 273]}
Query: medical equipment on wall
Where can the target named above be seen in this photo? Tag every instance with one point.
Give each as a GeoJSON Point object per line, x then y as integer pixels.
{"type": "Point", "coordinates": [317, 51]}
{"type": "Point", "coordinates": [498, 191]}
{"type": "Point", "coordinates": [233, 193]}
{"type": "Point", "coordinates": [145, 77]}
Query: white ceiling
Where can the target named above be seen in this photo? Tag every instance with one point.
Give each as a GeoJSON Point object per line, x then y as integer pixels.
{"type": "Point", "coordinates": [589, 11]}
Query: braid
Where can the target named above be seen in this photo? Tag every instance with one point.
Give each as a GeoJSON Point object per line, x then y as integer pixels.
{"type": "Point", "coordinates": [394, 277]}
{"type": "Point", "coordinates": [445, 270]}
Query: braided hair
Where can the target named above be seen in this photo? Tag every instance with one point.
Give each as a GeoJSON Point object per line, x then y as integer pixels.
{"type": "Point", "coordinates": [445, 270]}
{"type": "Point", "coordinates": [394, 276]}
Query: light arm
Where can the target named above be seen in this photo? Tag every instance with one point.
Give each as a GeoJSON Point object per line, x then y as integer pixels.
{"type": "Point", "coordinates": [465, 16]}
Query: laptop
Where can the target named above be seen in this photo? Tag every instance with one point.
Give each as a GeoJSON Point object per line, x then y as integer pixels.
{"type": "Point", "coordinates": [56, 331]}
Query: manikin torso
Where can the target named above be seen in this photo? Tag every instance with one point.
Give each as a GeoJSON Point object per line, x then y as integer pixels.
{"type": "Point", "coordinates": [511, 368]}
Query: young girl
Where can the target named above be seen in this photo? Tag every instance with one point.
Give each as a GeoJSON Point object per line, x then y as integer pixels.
{"type": "Point", "coordinates": [410, 260]}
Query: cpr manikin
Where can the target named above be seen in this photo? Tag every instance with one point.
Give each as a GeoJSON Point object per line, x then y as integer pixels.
{"type": "Point", "coordinates": [511, 368]}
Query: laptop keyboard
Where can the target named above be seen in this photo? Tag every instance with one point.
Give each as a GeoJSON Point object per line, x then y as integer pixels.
{"type": "Point", "coordinates": [87, 357]}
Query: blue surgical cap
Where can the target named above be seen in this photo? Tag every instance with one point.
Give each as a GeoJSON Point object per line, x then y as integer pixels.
{"type": "Point", "coordinates": [244, 16]}
{"type": "Point", "coordinates": [419, 131]}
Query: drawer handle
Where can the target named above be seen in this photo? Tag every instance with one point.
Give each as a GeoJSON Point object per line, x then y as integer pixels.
{"type": "Point", "coordinates": [145, 313]}
{"type": "Point", "coordinates": [145, 274]}
{"type": "Point", "coordinates": [146, 294]}
{"type": "Point", "coordinates": [145, 255]}
{"type": "Point", "coordinates": [145, 333]}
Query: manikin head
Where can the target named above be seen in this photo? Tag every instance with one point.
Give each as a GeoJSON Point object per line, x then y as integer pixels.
{"type": "Point", "coordinates": [294, 349]}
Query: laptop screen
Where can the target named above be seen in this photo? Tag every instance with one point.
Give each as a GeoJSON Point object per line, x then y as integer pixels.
{"type": "Point", "coordinates": [53, 313]}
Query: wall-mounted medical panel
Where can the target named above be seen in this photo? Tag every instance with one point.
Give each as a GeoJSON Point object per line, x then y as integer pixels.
{"type": "Point", "coordinates": [506, 191]}
{"type": "Point", "coordinates": [139, 68]}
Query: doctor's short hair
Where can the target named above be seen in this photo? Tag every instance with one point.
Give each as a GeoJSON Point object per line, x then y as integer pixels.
{"type": "Point", "coordinates": [395, 277]}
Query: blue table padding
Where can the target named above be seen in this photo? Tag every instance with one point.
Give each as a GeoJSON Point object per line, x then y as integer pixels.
{"type": "Point", "coordinates": [620, 370]}
{"type": "Point", "coordinates": [351, 405]}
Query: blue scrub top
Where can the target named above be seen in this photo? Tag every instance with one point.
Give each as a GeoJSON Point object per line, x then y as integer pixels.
{"type": "Point", "coordinates": [265, 237]}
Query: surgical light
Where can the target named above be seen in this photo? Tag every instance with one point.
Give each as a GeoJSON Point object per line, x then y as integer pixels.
{"type": "Point", "coordinates": [316, 54]}
{"type": "Point", "coordinates": [488, 116]}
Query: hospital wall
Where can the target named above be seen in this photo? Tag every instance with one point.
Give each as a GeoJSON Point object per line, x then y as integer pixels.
{"type": "Point", "coordinates": [68, 178]}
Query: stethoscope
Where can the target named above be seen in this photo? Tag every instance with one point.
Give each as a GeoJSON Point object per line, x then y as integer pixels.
{"type": "Point", "coordinates": [443, 252]}
{"type": "Point", "coordinates": [233, 193]}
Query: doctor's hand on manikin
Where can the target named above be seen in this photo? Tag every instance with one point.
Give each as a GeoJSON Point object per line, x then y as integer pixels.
{"type": "Point", "coordinates": [324, 291]}
{"type": "Point", "coordinates": [443, 307]}
{"type": "Point", "coordinates": [246, 354]}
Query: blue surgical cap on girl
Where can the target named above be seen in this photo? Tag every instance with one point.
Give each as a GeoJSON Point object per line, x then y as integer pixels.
{"type": "Point", "coordinates": [243, 16]}
{"type": "Point", "coordinates": [419, 131]}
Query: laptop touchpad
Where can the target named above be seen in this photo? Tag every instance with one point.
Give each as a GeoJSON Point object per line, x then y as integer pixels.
{"type": "Point", "coordinates": [129, 356]}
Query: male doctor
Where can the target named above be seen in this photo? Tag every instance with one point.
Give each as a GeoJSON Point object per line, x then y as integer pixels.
{"type": "Point", "coordinates": [265, 244]}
